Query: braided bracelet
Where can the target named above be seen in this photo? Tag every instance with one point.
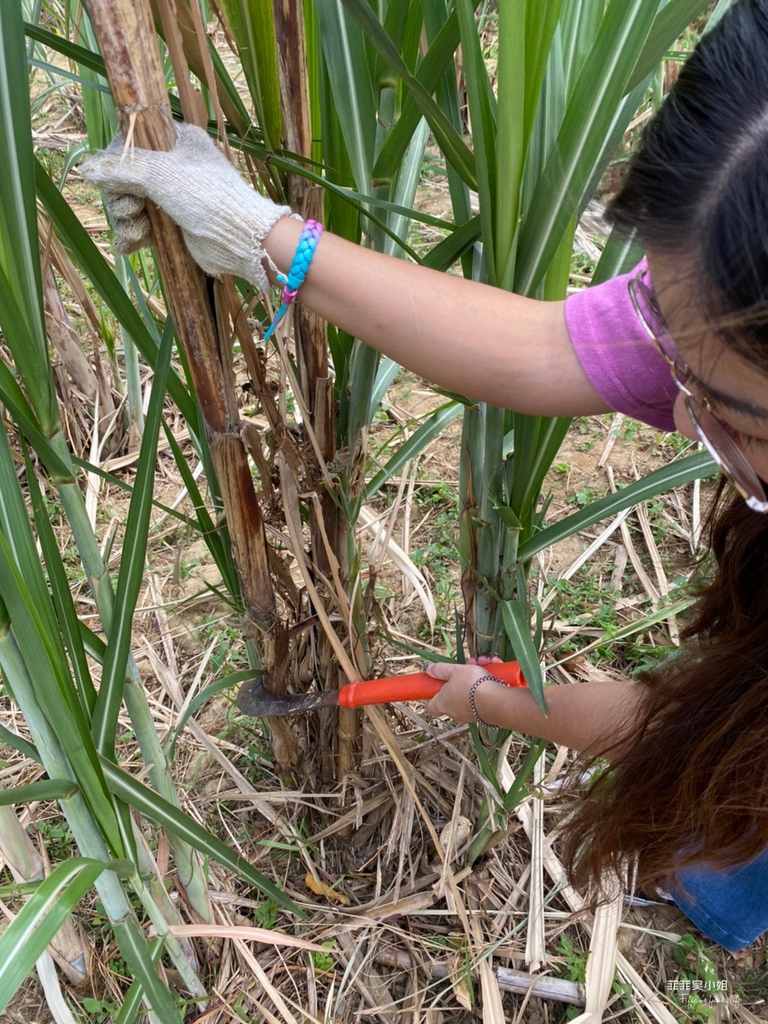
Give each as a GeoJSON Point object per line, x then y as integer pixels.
{"type": "Point", "coordinates": [291, 282]}
{"type": "Point", "coordinates": [472, 689]}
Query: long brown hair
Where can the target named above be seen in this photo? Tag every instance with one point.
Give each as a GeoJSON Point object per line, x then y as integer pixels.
{"type": "Point", "coordinates": [691, 785]}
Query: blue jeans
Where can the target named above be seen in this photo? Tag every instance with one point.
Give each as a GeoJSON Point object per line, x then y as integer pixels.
{"type": "Point", "coordinates": [730, 906]}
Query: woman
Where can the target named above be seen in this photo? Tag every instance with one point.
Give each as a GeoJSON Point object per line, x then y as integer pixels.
{"type": "Point", "coordinates": [681, 343]}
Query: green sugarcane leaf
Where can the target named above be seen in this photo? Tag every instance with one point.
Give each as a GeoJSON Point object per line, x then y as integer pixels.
{"type": "Point", "coordinates": [39, 920]}
{"type": "Point", "coordinates": [115, 481]}
{"type": "Point", "coordinates": [588, 120]}
{"type": "Point", "coordinates": [541, 23]}
{"type": "Point", "coordinates": [519, 790]}
{"type": "Point", "coordinates": [349, 77]}
{"type": "Point", "coordinates": [10, 739]}
{"type": "Point", "coordinates": [508, 516]}
{"type": "Point", "coordinates": [671, 21]}
{"type": "Point", "coordinates": [666, 610]}
{"type": "Point", "coordinates": [47, 790]}
{"type": "Point", "coordinates": [165, 814]}
{"type": "Point", "coordinates": [251, 24]}
{"type": "Point", "coordinates": [98, 104]}
{"type": "Point", "coordinates": [406, 212]}
{"type": "Point", "coordinates": [386, 373]}
{"type": "Point", "coordinates": [437, 73]}
{"type": "Point", "coordinates": [36, 634]}
{"type": "Point", "coordinates": [25, 418]}
{"type": "Point", "coordinates": [60, 44]}
{"type": "Point", "coordinates": [45, 669]}
{"type": "Point", "coordinates": [21, 310]}
{"type": "Point", "coordinates": [132, 563]}
{"type": "Point", "coordinates": [684, 471]}
{"type": "Point", "coordinates": [403, 190]}
{"type": "Point", "coordinates": [16, 530]}
{"type": "Point", "coordinates": [204, 524]}
{"type": "Point", "coordinates": [518, 626]}
{"type": "Point", "coordinates": [446, 135]}
{"type": "Point", "coordinates": [433, 67]}
{"type": "Point", "coordinates": [226, 683]}
{"type": "Point", "coordinates": [446, 92]}
{"type": "Point", "coordinates": [443, 255]}
{"type": "Point", "coordinates": [482, 109]}
{"type": "Point", "coordinates": [86, 81]}
{"type": "Point", "coordinates": [61, 595]}
{"type": "Point", "coordinates": [416, 443]}
{"type": "Point", "coordinates": [621, 253]}
{"type": "Point", "coordinates": [484, 761]}
{"type": "Point", "coordinates": [138, 956]}
{"type": "Point", "coordinates": [129, 1011]}
{"type": "Point", "coordinates": [515, 88]}
{"type": "Point", "coordinates": [579, 26]}
{"type": "Point", "coordinates": [536, 459]}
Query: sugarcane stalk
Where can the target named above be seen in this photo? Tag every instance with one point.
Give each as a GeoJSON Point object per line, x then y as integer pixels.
{"type": "Point", "coordinates": [131, 360]}
{"type": "Point", "coordinates": [327, 522]}
{"type": "Point", "coordinates": [26, 865]}
{"type": "Point", "coordinates": [187, 859]}
{"type": "Point", "coordinates": [126, 36]}
{"type": "Point", "coordinates": [85, 830]}
{"type": "Point", "coordinates": [17, 848]}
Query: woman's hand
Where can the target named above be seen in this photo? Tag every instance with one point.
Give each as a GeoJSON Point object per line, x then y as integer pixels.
{"type": "Point", "coordinates": [596, 717]}
{"type": "Point", "coordinates": [224, 220]}
{"type": "Point", "coordinates": [453, 698]}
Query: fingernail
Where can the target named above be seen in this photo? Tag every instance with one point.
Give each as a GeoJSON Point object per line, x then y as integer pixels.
{"type": "Point", "coordinates": [425, 666]}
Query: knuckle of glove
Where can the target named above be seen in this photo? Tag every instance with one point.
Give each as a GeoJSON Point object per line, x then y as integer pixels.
{"type": "Point", "coordinates": [131, 235]}
{"type": "Point", "coordinates": [126, 207]}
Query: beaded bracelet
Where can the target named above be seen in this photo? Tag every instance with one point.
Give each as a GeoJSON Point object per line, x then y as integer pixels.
{"type": "Point", "coordinates": [472, 689]}
{"type": "Point", "coordinates": [291, 282]}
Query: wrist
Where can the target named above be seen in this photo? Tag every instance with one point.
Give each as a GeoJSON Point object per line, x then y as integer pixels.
{"type": "Point", "coordinates": [294, 279]}
{"type": "Point", "coordinates": [479, 705]}
{"type": "Point", "coordinates": [280, 245]}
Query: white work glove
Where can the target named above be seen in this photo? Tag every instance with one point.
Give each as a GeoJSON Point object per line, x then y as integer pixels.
{"type": "Point", "coordinates": [223, 219]}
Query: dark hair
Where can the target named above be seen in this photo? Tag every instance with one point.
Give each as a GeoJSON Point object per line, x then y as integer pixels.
{"type": "Point", "coordinates": [692, 784]}
{"type": "Point", "coordinates": [698, 184]}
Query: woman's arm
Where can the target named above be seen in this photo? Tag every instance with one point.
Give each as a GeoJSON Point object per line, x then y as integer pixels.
{"type": "Point", "coordinates": [593, 717]}
{"type": "Point", "coordinates": [467, 337]}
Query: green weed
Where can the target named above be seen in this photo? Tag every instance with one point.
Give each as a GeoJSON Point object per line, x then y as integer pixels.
{"type": "Point", "coordinates": [322, 962]}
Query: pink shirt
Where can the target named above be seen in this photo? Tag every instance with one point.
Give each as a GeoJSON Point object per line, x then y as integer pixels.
{"type": "Point", "coordinates": [621, 362]}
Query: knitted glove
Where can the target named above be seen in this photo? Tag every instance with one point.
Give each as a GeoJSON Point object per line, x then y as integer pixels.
{"type": "Point", "coordinates": [224, 220]}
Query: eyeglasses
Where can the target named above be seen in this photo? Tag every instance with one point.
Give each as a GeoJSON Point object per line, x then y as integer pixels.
{"type": "Point", "coordinates": [717, 437]}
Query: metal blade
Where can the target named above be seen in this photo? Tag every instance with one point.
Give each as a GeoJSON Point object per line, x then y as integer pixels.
{"type": "Point", "coordinates": [256, 700]}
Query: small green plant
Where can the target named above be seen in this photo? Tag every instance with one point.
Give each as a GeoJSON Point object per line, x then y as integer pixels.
{"type": "Point", "coordinates": [698, 982]}
{"type": "Point", "coordinates": [100, 1011]}
{"type": "Point", "coordinates": [265, 915]}
{"type": "Point", "coordinates": [322, 961]}
{"type": "Point", "coordinates": [584, 496]}
{"type": "Point", "coordinates": [574, 966]}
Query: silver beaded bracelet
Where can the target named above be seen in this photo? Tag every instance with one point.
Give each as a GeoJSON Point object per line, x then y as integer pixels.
{"type": "Point", "coordinates": [472, 689]}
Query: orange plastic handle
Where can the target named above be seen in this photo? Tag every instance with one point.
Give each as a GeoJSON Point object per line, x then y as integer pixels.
{"type": "Point", "coordinates": [416, 686]}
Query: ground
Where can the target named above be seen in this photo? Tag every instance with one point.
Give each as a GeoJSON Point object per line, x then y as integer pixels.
{"type": "Point", "coordinates": [401, 922]}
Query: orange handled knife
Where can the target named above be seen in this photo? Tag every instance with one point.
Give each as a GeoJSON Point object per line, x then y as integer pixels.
{"type": "Point", "coordinates": [256, 700]}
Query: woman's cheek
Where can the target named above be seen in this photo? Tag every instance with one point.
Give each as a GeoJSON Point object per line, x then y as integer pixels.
{"type": "Point", "coordinates": [759, 462]}
{"type": "Point", "coordinates": [758, 459]}
{"type": "Point", "coordinates": [683, 421]}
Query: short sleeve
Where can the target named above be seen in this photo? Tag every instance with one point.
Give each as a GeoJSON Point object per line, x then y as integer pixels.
{"type": "Point", "coordinates": [616, 354]}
